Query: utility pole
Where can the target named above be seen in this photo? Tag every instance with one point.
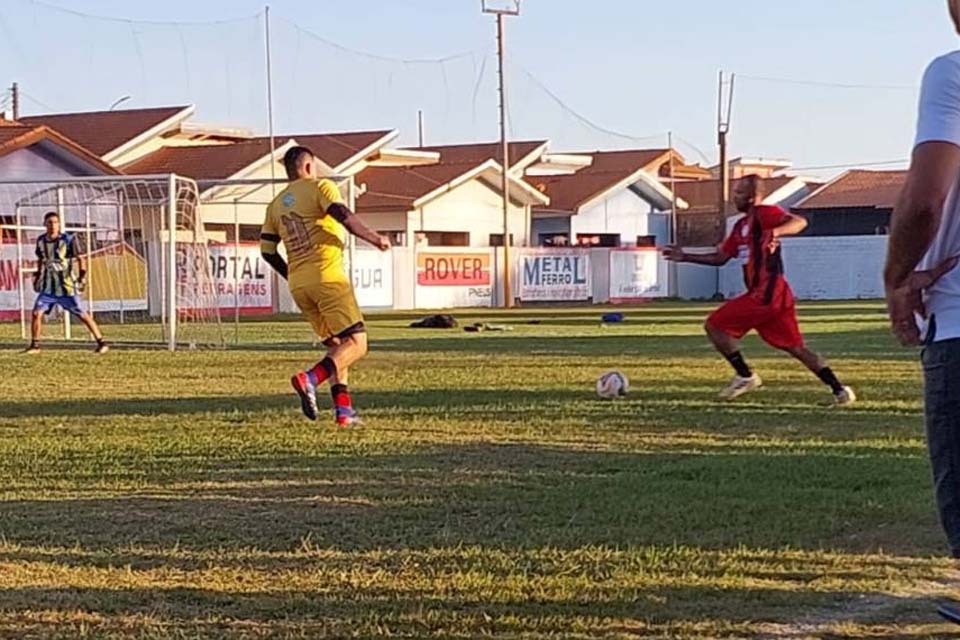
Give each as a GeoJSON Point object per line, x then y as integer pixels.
{"type": "Point", "coordinates": [501, 9]}
{"type": "Point", "coordinates": [420, 126]}
{"type": "Point", "coordinates": [15, 100]}
{"type": "Point", "coordinates": [723, 128]}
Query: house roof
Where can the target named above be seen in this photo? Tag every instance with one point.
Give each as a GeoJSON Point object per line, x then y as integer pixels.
{"type": "Point", "coordinates": [857, 189]}
{"type": "Point", "coordinates": [336, 149]}
{"type": "Point", "coordinates": [221, 161]}
{"type": "Point", "coordinates": [521, 152]}
{"type": "Point", "coordinates": [568, 193]}
{"type": "Point", "coordinates": [702, 195]}
{"type": "Point", "coordinates": [14, 136]}
{"type": "Point", "coordinates": [203, 162]}
{"type": "Point", "coordinates": [402, 188]}
{"type": "Point", "coordinates": [103, 132]}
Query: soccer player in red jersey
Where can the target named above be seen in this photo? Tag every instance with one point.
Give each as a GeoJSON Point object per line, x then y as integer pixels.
{"type": "Point", "coordinates": [768, 305]}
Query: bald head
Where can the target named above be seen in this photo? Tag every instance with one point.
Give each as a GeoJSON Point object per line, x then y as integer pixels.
{"type": "Point", "coordinates": [748, 193]}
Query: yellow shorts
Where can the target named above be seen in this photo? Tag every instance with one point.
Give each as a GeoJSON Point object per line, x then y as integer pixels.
{"type": "Point", "coordinates": [331, 307]}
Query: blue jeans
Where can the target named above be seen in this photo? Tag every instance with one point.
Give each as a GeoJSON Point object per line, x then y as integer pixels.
{"type": "Point", "coordinates": [941, 372]}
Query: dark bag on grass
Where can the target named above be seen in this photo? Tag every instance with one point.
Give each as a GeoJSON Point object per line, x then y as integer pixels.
{"type": "Point", "coordinates": [442, 321]}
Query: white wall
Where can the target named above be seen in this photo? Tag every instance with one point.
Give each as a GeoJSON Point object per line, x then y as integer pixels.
{"type": "Point", "coordinates": [626, 214]}
{"type": "Point", "coordinates": [472, 207]}
{"type": "Point", "coordinates": [825, 268]}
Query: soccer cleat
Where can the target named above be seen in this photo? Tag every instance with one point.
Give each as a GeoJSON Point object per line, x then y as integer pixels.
{"type": "Point", "coordinates": [308, 394]}
{"type": "Point", "coordinates": [347, 417]}
{"type": "Point", "coordinates": [739, 386]}
{"type": "Point", "coordinates": [845, 397]}
{"type": "Point", "coordinates": [31, 350]}
{"type": "Point", "coordinates": [102, 347]}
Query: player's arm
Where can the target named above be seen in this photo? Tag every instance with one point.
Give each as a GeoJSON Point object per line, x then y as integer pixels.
{"type": "Point", "coordinates": [790, 225]}
{"type": "Point", "coordinates": [917, 215]}
{"type": "Point", "coordinates": [74, 253]}
{"type": "Point", "coordinates": [269, 245]}
{"type": "Point", "coordinates": [331, 202]}
{"type": "Point", "coordinates": [717, 258]}
{"type": "Point", "coordinates": [352, 223]}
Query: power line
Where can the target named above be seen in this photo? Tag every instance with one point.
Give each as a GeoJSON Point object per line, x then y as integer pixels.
{"type": "Point", "coordinates": [376, 56]}
{"type": "Point", "coordinates": [165, 23]}
{"type": "Point", "coordinates": [583, 119]}
{"type": "Point", "coordinates": [850, 165]}
{"type": "Point", "coordinates": [36, 101]}
{"type": "Point", "coordinates": [832, 85]}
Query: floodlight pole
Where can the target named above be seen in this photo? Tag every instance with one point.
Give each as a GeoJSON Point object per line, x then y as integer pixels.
{"type": "Point", "coordinates": [505, 148]}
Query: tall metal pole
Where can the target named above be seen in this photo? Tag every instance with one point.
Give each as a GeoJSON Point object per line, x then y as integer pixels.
{"type": "Point", "coordinates": [507, 293]}
{"type": "Point", "coordinates": [273, 141]}
{"type": "Point", "coordinates": [15, 100]}
{"type": "Point", "coordinates": [673, 193]}
{"type": "Point", "coordinates": [172, 262]}
{"type": "Point", "coordinates": [420, 126]}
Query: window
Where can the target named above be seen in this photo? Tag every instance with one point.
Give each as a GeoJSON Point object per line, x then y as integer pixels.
{"type": "Point", "coordinates": [598, 239]}
{"type": "Point", "coordinates": [248, 232]}
{"type": "Point", "coordinates": [646, 241]}
{"type": "Point", "coordinates": [444, 238]}
{"type": "Point", "coordinates": [548, 240]}
{"type": "Point", "coordinates": [496, 240]}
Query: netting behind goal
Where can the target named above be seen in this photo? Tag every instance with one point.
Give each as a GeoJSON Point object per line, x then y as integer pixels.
{"type": "Point", "coordinates": [146, 256]}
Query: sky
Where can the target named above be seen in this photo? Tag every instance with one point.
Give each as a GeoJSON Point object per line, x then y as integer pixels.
{"type": "Point", "coordinates": [822, 82]}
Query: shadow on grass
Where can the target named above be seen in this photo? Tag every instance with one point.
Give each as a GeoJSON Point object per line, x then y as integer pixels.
{"type": "Point", "coordinates": [369, 608]}
{"type": "Point", "coordinates": [503, 496]}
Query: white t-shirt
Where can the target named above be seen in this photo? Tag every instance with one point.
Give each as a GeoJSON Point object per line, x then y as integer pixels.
{"type": "Point", "coordinates": [939, 121]}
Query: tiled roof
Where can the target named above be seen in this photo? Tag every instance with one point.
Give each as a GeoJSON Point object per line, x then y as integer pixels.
{"type": "Point", "coordinates": [17, 136]}
{"type": "Point", "coordinates": [569, 192]}
{"type": "Point", "coordinates": [481, 152]}
{"type": "Point", "coordinates": [103, 131]}
{"type": "Point", "coordinates": [334, 148]}
{"type": "Point", "coordinates": [204, 162]}
{"type": "Point", "coordinates": [702, 195]}
{"type": "Point", "coordinates": [397, 188]}
{"type": "Point", "coordinates": [858, 189]}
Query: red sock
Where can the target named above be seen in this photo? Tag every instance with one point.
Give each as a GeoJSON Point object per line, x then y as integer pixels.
{"type": "Point", "coordinates": [341, 396]}
{"type": "Point", "coordinates": [322, 371]}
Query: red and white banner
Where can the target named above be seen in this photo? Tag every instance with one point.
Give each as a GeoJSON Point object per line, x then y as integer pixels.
{"type": "Point", "coordinates": [241, 278]}
{"type": "Point", "coordinates": [448, 278]}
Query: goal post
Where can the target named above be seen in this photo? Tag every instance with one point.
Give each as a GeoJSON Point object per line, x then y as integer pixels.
{"type": "Point", "coordinates": [145, 249]}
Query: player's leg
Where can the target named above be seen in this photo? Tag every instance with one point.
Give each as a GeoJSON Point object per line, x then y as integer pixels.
{"type": "Point", "coordinates": [336, 317]}
{"type": "Point", "coordinates": [783, 332]}
{"type": "Point", "coordinates": [724, 328]}
{"type": "Point", "coordinates": [42, 306]}
{"type": "Point", "coordinates": [71, 304]}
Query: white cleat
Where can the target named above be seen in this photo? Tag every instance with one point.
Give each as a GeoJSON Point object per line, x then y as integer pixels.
{"type": "Point", "coordinates": [739, 386]}
{"type": "Point", "coordinates": [845, 398]}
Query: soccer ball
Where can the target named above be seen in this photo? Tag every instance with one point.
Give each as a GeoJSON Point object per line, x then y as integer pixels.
{"type": "Point", "coordinates": [612, 384]}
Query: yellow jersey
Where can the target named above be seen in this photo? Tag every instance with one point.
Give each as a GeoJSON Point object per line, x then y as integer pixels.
{"type": "Point", "coordinates": [314, 240]}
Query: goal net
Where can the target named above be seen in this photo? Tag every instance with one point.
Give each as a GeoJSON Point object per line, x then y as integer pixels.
{"type": "Point", "coordinates": [146, 256]}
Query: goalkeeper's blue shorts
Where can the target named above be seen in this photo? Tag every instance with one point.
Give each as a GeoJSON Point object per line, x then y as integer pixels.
{"type": "Point", "coordinates": [46, 302]}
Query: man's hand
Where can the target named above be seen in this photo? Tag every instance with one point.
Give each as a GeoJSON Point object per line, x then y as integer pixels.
{"type": "Point", "coordinates": [905, 301]}
{"type": "Point", "coordinates": [383, 243]}
{"type": "Point", "coordinates": [674, 253]}
{"type": "Point", "coordinates": [771, 241]}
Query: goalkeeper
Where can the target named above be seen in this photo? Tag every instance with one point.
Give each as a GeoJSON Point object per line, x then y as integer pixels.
{"type": "Point", "coordinates": [55, 282]}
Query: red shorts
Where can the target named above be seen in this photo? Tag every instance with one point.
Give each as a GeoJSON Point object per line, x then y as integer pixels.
{"type": "Point", "coordinates": [776, 322]}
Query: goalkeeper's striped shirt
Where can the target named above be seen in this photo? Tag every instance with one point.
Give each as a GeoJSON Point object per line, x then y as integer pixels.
{"type": "Point", "coordinates": [56, 257]}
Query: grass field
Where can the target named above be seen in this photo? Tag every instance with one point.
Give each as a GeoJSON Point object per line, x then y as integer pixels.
{"type": "Point", "coordinates": [156, 495]}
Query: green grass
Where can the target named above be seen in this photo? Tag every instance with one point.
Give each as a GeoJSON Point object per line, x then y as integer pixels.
{"type": "Point", "coordinates": [153, 495]}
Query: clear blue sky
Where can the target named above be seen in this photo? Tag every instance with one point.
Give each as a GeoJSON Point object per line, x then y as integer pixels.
{"type": "Point", "coordinates": [636, 66]}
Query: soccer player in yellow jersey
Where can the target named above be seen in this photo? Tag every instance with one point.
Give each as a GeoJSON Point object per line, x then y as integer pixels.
{"type": "Point", "coordinates": [312, 221]}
